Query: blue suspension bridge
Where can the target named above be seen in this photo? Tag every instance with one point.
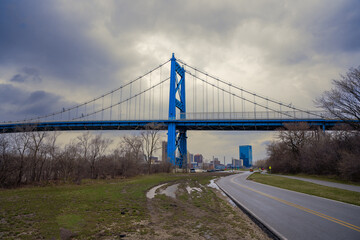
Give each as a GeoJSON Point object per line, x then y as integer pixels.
{"type": "Point", "coordinates": [210, 104]}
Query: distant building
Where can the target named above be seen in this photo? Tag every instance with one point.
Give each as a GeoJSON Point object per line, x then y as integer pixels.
{"type": "Point", "coordinates": [198, 158]}
{"type": "Point", "coordinates": [193, 165]}
{"type": "Point", "coordinates": [191, 157]}
{"type": "Point", "coordinates": [164, 151]}
{"type": "Point", "coordinates": [237, 163]}
{"type": "Point", "coordinates": [154, 160]}
{"type": "Point", "coordinates": [220, 166]}
{"type": "Point", "coordinates": [246, 155]}
{"type": "Point", "coordinates": [215, 161]}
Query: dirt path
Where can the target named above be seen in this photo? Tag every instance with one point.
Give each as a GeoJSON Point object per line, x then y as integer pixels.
{"type": "Point", "coordinates": [204, 213]}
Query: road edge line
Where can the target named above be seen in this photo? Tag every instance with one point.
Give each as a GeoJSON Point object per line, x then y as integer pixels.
{"type": "Point", "coordinates": [270, 231]}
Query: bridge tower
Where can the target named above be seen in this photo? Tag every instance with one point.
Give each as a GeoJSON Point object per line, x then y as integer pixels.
{"type": "Point", "coordinates": [177, 137]}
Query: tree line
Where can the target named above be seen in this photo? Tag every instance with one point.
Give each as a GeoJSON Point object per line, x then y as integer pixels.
{"type": "Point", "coordinates": [301, 149]}
{"type": "Point", "coordinates": [31, 157]}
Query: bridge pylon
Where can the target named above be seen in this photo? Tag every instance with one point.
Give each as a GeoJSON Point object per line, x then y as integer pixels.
{"type": "Point", "coordinates": [177, 137]}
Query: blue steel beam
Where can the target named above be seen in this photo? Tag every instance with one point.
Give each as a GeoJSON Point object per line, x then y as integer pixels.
{"type": "Point", "coordinates": [176, 138]}
{"type": "Point", "coordinates": [181, 124]}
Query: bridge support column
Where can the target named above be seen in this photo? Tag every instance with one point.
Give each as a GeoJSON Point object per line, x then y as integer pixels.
{"type": "Point", "coordinates": [171, 144]}
{"type": "Point", "coordinates": [177, 139]}
{"type": "Point", "coordinates": [182, 149]}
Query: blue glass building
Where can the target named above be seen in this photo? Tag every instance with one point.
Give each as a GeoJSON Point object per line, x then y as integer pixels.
{"type": "Point", "coordinates": [246, 155]}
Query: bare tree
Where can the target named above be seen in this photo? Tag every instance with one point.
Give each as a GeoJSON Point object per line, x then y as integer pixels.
{"type": "Point", "coordinates": [36, 145]}
{"type": "Point", "coordinates": [5, 161]}
{"type": "Point", "coordinates": [69, 164]}
{"type": "Point", "coordinates": [98, 146]}
{"type": "Point", "coordinates": [295, 136]}
{"type": "Point", "coordinates": [151, 140]}
{"type": "Point", "coordinates": [130, 155]}
{"type": "Point", "coordinates": [133, 145]}
{"type": "Point", "coordinates": [22, 141]}
{"type": "Point", "coordinates": [51, 152]}
{"type": "Point", "coordinates": [343, 101]}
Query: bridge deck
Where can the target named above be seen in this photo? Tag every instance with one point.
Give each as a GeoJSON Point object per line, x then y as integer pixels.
{"type": "Point", "coordinates": [215, 125]}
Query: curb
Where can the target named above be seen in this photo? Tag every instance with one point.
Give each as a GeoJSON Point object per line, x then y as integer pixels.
{"type": "Point", "coordinates": [271, 232]}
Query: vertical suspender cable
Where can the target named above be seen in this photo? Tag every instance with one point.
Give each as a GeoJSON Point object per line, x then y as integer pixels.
{"type": "Point", "coordinates": [195, 94]}
{"type": "Point", "coordinates": [111, 106]}
{"type": "Point", "coordinates": [254, 106]}
{"type": "Point", "coordinates": [213, 101]}
{"type": "Point", "coordinates": [150, 99]}
{"type": "Point", "coordinates": [193, 90]}
{"type": "Point", "coordinates": [234, 107]}
{"type": "Point", "coordinates": [102, 108]}
{"type": "Point", "coordinates": [135, 112]}
{"type": "Point", "coordinates": [94, 115]}
{"type": "Point", "coordinates": [218, 105]}
{"type": "Point", "coordinates": [153, 99]}
{"type": "Point", "coordinates": [203, 99]}
{"type": "Point", "coordinates": [120, 116]}
{"type": "Point", "coordinates": [129, 113]}
{"type": "Point", "coordinates": [140, 100]}
{"type": "Point", "coordinates": [207, 97]}
{"type": "Point", "coordinates": [161, 88]}
{"type": "Point", "coordinates": [230, 99]}
{"type": "Point", "coordinates": [242, 103]}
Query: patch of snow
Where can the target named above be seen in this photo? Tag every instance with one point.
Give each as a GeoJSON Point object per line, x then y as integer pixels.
{"type": "Point", "coordinates": [232, 203]}
{"type": "Point", "coordinates": [170, 191]}
{"type": "Point", "coordinates": [152, 192]}
{"type": "Point", "coordinates": [190, 189]}
{"type": "Point", "coordinates": [212, 184]}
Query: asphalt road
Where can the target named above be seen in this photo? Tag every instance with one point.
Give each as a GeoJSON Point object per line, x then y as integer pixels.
{"type": "Point", "coordinates": [294, 215]}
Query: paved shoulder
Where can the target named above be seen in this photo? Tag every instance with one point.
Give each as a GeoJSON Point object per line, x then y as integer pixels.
{"type": "Point", "coordinates": [326, 183]}
{"type": "Point", "coordinates": [294, 215]}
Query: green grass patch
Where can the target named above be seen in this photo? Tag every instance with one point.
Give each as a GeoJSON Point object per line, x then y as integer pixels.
{"type": "Point", "coordinates": [87, 209]}
{"type": "Point", "coordinates": [329, 178]}
{"type": "Point", "coordinates": [308, 188]}
{"type": "Point", "coordinates": [107, 209]}
{"type": "Point", "coordinates": [70, 221]}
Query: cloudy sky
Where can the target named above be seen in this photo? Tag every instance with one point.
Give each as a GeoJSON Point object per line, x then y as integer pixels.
{"type": "Point", "coordinates": [54, 54]}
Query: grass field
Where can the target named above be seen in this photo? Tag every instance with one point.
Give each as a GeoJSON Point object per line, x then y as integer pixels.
{"type": "Point", "coordinates": [330, 178]}
{"type": "Point", "coordinates": [112, 209]}
{"type": "Point", "coordinates": [308, 188]}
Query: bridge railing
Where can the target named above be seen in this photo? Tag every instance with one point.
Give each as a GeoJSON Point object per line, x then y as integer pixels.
{"type": "Point", "coordinates": [254, 115]}
{"type": "Point", "coordinates": [208, 116]}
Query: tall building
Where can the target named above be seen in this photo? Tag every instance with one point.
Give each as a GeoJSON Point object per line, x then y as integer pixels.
{"type": "Point", "coordinates": [190, 158]}
{"type": "Point", "coordinates": [164, 151]}
{"type": "Point", "coordinates": [198, 158]}
{"type": "Point", "coordinates": [246, 155]}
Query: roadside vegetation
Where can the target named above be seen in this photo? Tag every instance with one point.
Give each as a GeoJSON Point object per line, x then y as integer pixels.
{"type": "Point", "coordinates": [117, 208]}
{"type": "Point", "coordinates": [28, 157]}
{"type": "Point", "coordinates": [308, 188]}
{"type": "Point", "coordinates": [329, 178]}
{"type": "Point", "coordinates": [301, 148]}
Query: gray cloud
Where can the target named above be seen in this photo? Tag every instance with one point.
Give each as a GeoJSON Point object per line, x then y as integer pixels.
{"type": "Point", "coordinates": [42, 36]}
{"type": "Point", "coordinates": [17, 104]}
{"type": "Point", "coordinates": [27, 74]}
